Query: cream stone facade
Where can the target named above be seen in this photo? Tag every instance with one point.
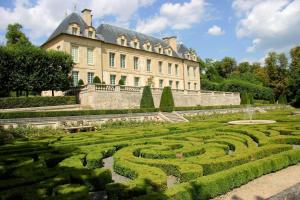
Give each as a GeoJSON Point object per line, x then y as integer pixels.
{"type": "Point", "coordinates": [137, 58]}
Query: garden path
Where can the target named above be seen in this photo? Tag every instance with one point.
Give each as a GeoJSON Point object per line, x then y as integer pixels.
{"type": "Point", "coordinates": [265, 186]}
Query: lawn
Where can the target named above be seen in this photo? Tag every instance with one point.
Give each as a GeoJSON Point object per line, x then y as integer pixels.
{"type": "Point", "coordinates": [200, 159]}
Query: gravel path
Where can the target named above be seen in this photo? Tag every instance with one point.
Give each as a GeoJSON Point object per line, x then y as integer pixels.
{"type": "Point", "coordinates": [108, 164]}
{"type": "Point", "coordinates": [279, 183]}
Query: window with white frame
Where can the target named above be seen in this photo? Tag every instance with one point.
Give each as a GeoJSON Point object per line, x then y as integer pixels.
{"type": "Point", "coordinates": [161, 83]}
{"type": "Point", "coordinates": [90, 56]}
{"type": "Point", "coordinates": [189, 85]}
{"type": "Point", "coordinates": [170, 83]}
{"type": "Point", "coordinates": [135, 45]}
{"type": "Point", "coordinates": [136, 81]}
{"type": "Point", "coordinates": [177, 85]}
{"type": "Point", "coordinates": [112, 79]}
{"type": "Point", "coordinates": [122, 61]}
{"type": "Point", "coordinates": [111, 59]}
{"type": "Point", "coordinates": [160, 67]}
{"type": "Point", "coordinates": [90, 34]}
{"type": "Point", "coordinates": [195, 71]}
{"type": "Point", "coordinates": [75, 78]}
{"type": "Point", "coordinates": [74, 30]}
{"type": "Point", "coordinates": [188, 71]}
{"type": "Point", "coordinates": [176, 69]}
{"type": "Point", "coordinates": [195, 86]}
{"type": "Point", "coordinates": [135, 63]}
{"type": "Point", "coordinates": [123, 42]}
{"type": "Point", "coordinates": [74, 53]}
{"type": "Point", "coordinates": [90, 77]}
{"type": "Point", "coordinates": [148, 65]}
{"type": "Point", "coordinates": [170, 68]}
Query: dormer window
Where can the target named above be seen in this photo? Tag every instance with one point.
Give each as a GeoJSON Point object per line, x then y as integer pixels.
{"type": "Point", "coordinates": [122, 42]}
{"type": "Point", "coordinates": [169, 52]}
{"type": "Point", "coordinates": [159, 50]}
{"type": "Point", "coordinates": [90, 34]}
{"type": "Point", "coordinates": [74, 30]}
{"type": "Point", "coordinates": [135, 45]}
{"type": "Point", "coordinates": [148, 47]}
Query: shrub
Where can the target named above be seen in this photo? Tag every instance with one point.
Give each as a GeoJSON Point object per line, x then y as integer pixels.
{"type": "Point", "coordinates": [272, 100]}
{"type": "Point", "coordinates": [23, 102]}
{"type": "Point", "coordinates": [147, 99]}
{"type": "Point", "coordinates": [80, 82]}
{"type": "Point", "coordinates": [96, 80]}
{"type": "Point", "coordinates": [251, 99]}
{"type": "Point", "coordinates": [121, 82]}
{"type": "Point", "coordinates": [166, 100]}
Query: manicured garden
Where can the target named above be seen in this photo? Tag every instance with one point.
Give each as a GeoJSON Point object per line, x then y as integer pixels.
{"type": "Point", "coordinates": [206, 157]}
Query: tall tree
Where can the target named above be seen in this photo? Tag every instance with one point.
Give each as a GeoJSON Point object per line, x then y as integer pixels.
{"type": "Point", "coordinates": [15, 36]}
{"type": "Point", "coordinates": [228, 65]}
{"type": "Point", "coordinates": [294, 82]}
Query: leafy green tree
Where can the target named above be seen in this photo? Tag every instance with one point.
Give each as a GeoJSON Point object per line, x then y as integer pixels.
{"type": "Point", "coordinates": [282, 99]}
{"type": "Point", "coordinates": [294, 82]}
{"type": "Point", "coordinates": [121, 82]}
{"type": "Point", "coordinates": [244, 98]}
{"type": "Point", "coordinates": [96, 80]}
{"type": "Point", "coordinates": [15, 36]}
{"type": "Point", "coordinates": [166, 100]}
{"type": "Point", "coordinates": [147, 99]}
{"type": "Point", "coordinates": [228, 65]}
{"type": "Point", "coordinates": [243, 67]}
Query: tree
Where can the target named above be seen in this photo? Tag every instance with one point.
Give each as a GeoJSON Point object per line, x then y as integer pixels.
{"type": "Point", "coordinates": [294, 81]}
{"type": "Point", "coordinates": [96, 80]}
{"type": "Point", "coordinates": [244, 98]}
{"type": "Point", "coordinates": [228, 65]}
{"type": "Point", "coordinates": [147, 99]}
{"type": "Point", "coordinates": [121, 82]}
{"type": "Point", "coordinates": [243, 67]}
{"type": "Point", "coordinates": [15, 36]}
{"type": "Point", "coordinates": [166, 100]}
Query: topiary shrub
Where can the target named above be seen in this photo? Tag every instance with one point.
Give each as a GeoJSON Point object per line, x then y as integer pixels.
{"type": "Point", "coordinates": [147, 99]}
{"type": "Point", "coordinates": [96, 80]}
{"type": "Point", "coordinates": [272, 100]}
{"type": "Point", "coordinates": [166, 100]}
{"type": "Point", "coordinates": [250, 98]}
{"type": "Point", "coordinates": [80, 82]}
{"type": "Point", "coordinates": [121, 82]}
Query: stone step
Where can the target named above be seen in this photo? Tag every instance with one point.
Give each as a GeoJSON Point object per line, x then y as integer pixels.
{"type": "Point", "coordinates": [173, 117]}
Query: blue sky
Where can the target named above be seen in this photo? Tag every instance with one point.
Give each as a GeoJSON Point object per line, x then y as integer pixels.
{"type": "Point", "coordinates": [243, 29]}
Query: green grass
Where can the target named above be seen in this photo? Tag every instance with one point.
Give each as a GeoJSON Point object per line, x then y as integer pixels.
{"type": "Point", "coordinates": [208, 156]}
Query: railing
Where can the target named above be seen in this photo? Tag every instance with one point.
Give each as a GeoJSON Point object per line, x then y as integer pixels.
{"type": "Point", "coordinates": [129, 88]}
{"type": "Point", "coordinates": [103, 87]}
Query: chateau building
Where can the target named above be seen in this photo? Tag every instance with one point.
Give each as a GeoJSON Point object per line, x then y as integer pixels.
{"type": "Point", "coordinates": [113, 53]}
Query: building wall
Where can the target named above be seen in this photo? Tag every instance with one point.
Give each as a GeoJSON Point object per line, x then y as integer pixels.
{"type": "Point", "coordinates": [89, 97]}
{"type": "Point", "coordinates": [101, 67]}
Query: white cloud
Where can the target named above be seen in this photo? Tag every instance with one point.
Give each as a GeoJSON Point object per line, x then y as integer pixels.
{"type": "Point", "coordinates": [271, 24]}
{"type": "Point", "coordinates": [42, 17]}
{"type": "Point", "coordinates": [175, 16]}
{"type": "Point", "coordinates": [215, 30]}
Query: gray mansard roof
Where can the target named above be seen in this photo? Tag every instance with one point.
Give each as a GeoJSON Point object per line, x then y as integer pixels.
{"type": "Point", "coordinates": [109, 34]}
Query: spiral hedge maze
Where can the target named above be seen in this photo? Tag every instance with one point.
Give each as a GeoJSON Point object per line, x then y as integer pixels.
{"type": "Point", "coordinates": [202, 158]}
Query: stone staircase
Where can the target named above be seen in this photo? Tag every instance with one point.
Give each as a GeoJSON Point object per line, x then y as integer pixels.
{"type": "Point", "coordinates": [172, 117]}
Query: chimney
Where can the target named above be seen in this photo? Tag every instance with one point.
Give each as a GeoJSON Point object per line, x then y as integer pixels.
{"type": "Point", "coordinates": [87, 17]}
{"type": "Point", "coordinates": [172, 42]}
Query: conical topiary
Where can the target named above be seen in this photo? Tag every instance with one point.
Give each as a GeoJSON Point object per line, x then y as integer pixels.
{"type": "Point", "coordinates": [147, 99]}
{"type": "Point", "coordinates": [96, 80]}
{"type": "Point", "coordinates": [166, 100]}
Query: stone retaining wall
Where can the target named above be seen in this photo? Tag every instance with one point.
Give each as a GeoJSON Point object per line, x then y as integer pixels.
{"type": "Point", "coordinates": [124, 97]}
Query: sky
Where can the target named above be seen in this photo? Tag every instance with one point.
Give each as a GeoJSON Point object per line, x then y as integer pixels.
{"type": "Point", "coordinates": [244, 29]}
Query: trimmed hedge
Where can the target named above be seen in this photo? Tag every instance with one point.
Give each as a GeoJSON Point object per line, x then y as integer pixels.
{"type": "Point", "coordinates": [208, 187]}
{"type": "Point", "coordinates": [10, 115]}
{"type": "Point", "coordinates": [23, 102]}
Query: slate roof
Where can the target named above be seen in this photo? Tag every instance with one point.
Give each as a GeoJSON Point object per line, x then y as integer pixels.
{"type": "Point", "coordinates": [109, 34]}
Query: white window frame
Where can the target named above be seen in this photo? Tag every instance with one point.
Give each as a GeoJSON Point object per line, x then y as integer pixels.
{"type": "Point", "coordinates": [124, 78]}
{"type": "Point", "coordinates": [177, 85]}
{"type": "Point", "coordinates": [160, 64]}
{"type": "Point", "coordinates": [122, 61]}
{"type": "Point", "coordinates": [148, 63]}
{"type": "Point", "coordinates": [90, 56]}
{"type": "Point", "coordinates": [161, 83]}
{"type": "Point", "coordinates": [170, 68]}
{"type": "Point", "coordinates": [176, 69]}
{"type": "Point", "coordinates": [74, 30]}
{"type": "Point", "coordinates": [195, 86]}
{"type": "Point", "coordinates": [90, 77]}
{"type": "Point", "coordinates": [75, 53]}
{"type": "Point", "coordinates": [136, 81]}
{"type": "Point", "coordinates": [112, 59]}
{"type": "Point", "coordinates": [136, 63]}
{"type": "Point", "coordinates": [75, 74]}
{"type": "Point", "coordinates": [112, 79]}
{"type": "Point", "coordinates": [170, 83]}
